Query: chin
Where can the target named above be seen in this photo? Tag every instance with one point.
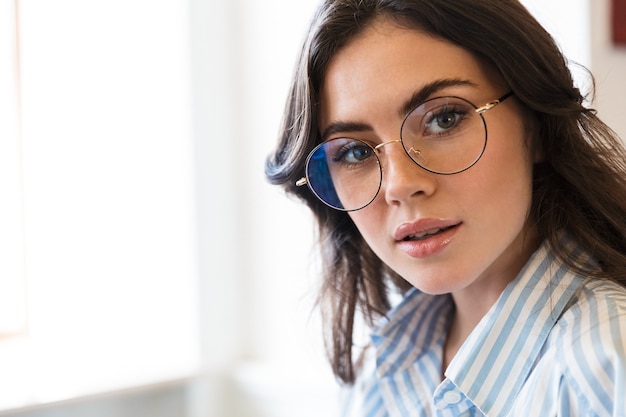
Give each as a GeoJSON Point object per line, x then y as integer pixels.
{"type": "Point", "coordinates": [435, 287]}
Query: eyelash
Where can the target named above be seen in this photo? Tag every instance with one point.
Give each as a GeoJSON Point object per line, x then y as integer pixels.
{"type": "Point", "coordinates": [339, 156]}
{"type": "Point", "coordinates": [458, 113]}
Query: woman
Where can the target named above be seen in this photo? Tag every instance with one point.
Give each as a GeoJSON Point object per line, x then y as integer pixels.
{"type": "Point", "coordinates": [447, 155]}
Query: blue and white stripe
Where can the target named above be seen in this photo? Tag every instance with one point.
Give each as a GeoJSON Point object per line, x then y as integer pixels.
{"type": "Point", "coordinates": [554, 344]}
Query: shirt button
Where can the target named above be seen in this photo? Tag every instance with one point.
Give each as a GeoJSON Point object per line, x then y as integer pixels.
{"type": "Point", "coordinates": [452, 397]}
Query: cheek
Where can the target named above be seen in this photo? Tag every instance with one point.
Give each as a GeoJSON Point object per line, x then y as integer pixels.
{"type": "Point", "coordinates": [366, 219]}
{"type": "Point", "coordinates": [370, 221]}
{"type": "Point", "coordinates": [505, 183]}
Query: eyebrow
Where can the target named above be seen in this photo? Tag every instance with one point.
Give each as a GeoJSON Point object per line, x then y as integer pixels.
{"type": "Point", "coordinates": [420, 96]}
{"type": "Point", "coordinates": [428, 90]}
{"type": "Point", "coordinates": [337, 127]}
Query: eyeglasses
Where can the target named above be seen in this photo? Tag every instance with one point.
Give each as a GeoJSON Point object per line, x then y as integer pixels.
{"type": "Point", "coordinates": [443, 135]}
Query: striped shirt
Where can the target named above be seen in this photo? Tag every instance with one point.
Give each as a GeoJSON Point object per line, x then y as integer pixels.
{"type": "Point", "coordinates": [554, 344]}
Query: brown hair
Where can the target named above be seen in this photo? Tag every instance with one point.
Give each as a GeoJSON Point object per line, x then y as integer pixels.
{"type": "Point", "coordinates": [580, 187]}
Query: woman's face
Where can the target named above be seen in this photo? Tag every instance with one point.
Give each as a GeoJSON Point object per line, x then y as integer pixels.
{"type": "Point", "coordinates": [442, 233]}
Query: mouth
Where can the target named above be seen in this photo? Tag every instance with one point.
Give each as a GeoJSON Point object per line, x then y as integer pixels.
{"type": "Point", "coordinates": [423, 229]}
{"type": "Point", "coordinates": [427, 237]}
{"type": "Point", "coordinates": [427, 233]}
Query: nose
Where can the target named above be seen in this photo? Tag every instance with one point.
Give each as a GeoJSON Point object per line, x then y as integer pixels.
{"type": "Point", "coordinates": [403, 179]}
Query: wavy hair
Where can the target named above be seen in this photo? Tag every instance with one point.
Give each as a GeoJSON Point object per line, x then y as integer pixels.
{"type": "Point", "coordinates": [579, 188]}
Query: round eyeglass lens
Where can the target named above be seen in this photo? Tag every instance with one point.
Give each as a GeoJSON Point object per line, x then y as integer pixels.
{"type": "Point", "coordinates": [344, 173]}
{"type": "Point", "coordinates": [445, 135]}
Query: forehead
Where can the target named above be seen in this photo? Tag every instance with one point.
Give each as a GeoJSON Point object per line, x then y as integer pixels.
{"type": "Point", "coordinates": [385, 64]}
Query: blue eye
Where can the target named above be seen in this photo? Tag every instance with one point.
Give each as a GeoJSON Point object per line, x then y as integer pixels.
{"type": "Point", "coordinates": [446, 120]}
{"type": "Point", "coordinates": [443, 120]}
{"type": "Point", "coordinates": [353, 153]}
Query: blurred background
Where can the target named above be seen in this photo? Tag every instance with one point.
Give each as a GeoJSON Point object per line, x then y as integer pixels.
{"type": "Point", "coordinates": [146, 268]}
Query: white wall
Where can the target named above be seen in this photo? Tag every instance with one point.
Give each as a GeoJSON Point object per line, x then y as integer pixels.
{"type": "Point", "coordinates": [608, 63]}
{"type": "Point", "coordinates": [583, 30]}
{"type": "Point", "coordinates": [568, 22]}
{"type": "Point", "coordinates": [262, 341]}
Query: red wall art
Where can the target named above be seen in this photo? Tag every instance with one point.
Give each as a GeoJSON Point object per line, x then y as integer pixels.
{"type": "Point", "coordinates": [619, 22]}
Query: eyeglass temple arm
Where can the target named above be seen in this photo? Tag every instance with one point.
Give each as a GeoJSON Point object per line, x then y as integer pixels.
{"type": "Point", "coordinates": [302, 181]}
{"type": "Point", "coordinates": [494, 103]}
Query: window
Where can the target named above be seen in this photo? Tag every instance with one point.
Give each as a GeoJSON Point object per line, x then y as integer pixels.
{"type": "Point", "coordinates": [12, 279]}
{"type": "Point", "coordinates": [97, 205]}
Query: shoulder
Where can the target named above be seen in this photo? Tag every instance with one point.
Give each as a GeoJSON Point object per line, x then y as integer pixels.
{"type": "Point", "coordinates": [598, 305]}
{"type": "Point", "coordinates": [590, 342]}
{"type": "Point", "coordinates": [593, 326]}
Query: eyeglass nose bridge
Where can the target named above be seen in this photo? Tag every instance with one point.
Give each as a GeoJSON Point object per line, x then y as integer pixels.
{"type": "Point", "coordinates": [414, 154]}
{"type": "Point", "coordinates": [380, 145]}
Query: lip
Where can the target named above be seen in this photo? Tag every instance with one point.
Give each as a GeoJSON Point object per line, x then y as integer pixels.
{"type": "Point", "coordinates": [430, 245]}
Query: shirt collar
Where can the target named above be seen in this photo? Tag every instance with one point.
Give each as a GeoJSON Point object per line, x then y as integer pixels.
{"type": "Point", "coordinates": [415, 327]}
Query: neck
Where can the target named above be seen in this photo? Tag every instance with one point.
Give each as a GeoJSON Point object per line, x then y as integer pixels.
{"type": "Point", "coordinates": [473, 302]}
{"type": "Point", "coordinates": [469, 310]}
